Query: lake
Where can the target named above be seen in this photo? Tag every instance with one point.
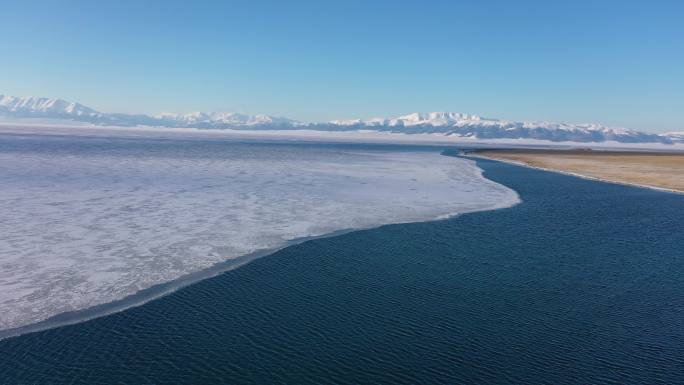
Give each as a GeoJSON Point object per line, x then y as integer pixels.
{"type": "Point", "coordinates": [580, 283]}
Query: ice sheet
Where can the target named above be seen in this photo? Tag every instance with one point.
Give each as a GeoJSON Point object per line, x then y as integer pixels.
{"type": "Point", "coordinates": [86, 221]}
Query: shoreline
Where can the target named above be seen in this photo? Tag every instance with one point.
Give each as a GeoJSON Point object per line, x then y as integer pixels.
{"type": "Point", "coordinates": [475, 154]}
{"type": "Point", "coordinates": [163, 289]}
{"type": "Point", "coordinates": [443, 284]}
{"type": "Point", "coordinates": [153, 292]}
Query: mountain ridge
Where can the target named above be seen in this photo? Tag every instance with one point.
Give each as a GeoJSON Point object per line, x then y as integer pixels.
{"type": "Point", "coordinates": [455, 124]}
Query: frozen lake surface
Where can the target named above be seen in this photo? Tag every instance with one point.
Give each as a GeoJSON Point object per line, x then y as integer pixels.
{"type": "Point", "coordinates": [90, 220]}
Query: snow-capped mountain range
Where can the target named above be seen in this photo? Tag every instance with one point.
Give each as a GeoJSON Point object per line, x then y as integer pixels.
{"type": "Point", "coordinates": [453, 124]}
{"type": "Point", "coordinates": [44, 107]}
{"type": "Point", "coordinates": [224, 120]}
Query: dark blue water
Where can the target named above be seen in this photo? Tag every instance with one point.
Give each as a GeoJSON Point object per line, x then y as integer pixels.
{"type": "Point", "coordinates": [581, 283]}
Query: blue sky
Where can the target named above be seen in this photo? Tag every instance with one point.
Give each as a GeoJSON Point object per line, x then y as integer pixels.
{"type": "Point", "coordinates": [612, 62]}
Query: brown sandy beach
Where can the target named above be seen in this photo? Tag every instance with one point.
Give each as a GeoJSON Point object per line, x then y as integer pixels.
{"type": "Point", "coordinates": [650, 169]}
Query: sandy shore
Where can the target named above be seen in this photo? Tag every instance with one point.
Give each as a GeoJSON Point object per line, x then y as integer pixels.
{"type": "Point", "coordinates": [647, 169]}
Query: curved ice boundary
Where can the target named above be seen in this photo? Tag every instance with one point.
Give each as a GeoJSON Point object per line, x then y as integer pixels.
{"type": "Point", "coordinates": [91, 226]}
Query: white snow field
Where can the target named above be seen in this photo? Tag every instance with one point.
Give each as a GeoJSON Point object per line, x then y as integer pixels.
{"type": "Point", "coordinates": [90, 220]}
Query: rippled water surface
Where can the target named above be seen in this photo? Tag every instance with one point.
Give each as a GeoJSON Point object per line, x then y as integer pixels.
{"type": "Point", "coordinates": [91, 220]}
{"type": "Point", "coordinates": [581, 283]}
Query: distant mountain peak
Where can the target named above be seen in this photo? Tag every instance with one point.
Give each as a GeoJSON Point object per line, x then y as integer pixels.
{"type": "Point", "coordinates": [33, 106]}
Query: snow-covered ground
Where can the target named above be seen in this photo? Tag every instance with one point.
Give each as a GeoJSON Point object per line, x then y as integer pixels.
{"type": "Point", "coordinates": [91, 219]}
{"type": "Point", "coordinates": [72, 128]}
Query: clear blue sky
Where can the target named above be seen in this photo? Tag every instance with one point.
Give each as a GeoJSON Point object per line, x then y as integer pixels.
{"type": "Point", "coordinates": [613, 62]}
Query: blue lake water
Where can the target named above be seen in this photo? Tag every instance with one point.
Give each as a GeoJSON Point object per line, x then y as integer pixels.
{"type": "Point", "coordinates": [90, 224]}
{"type": "Point", "coordinates": [581, 283]}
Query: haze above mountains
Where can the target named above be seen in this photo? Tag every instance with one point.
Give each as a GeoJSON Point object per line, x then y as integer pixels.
{"type": "Point", "coordinates": [453, 124]}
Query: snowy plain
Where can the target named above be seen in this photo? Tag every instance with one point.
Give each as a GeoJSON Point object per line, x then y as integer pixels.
{"type": "Point", "coordinates": [89, 219]}
{"type": "Point", "coordinates": [74, 128]}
